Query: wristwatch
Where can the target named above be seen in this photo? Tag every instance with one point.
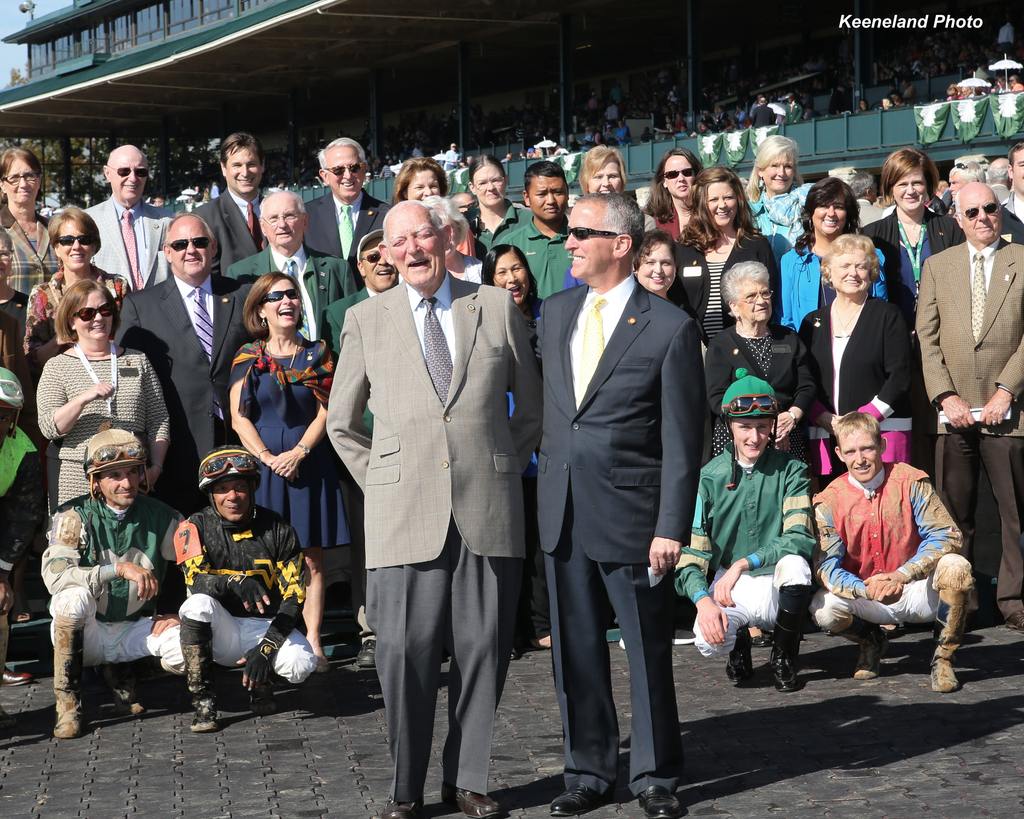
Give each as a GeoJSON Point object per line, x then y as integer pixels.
{"type": "Point", "coordinates": [303, 447]}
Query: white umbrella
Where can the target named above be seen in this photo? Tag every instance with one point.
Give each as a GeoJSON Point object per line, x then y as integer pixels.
{"type": "Point", "coordinates": [778, 109]}
{"type": "Point", "coordinates": [545, 143]}
{"type": "Point", "coordinates": [189, 192]}
{"type": "Point", "coordinates": [1006, 66]}
{"type": "Point", "coordinates": [438, 157]}
{"type": "Point", "coordinates": [974, 82]}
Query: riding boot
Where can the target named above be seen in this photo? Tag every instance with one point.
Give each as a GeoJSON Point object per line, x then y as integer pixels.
{"type": "Point", "coordinates": [67, 678]}
{"type": "Point", "coordinates": [261, 700]}
{"type": "Point", "coordinates": [873, 644]}
{"type": "Point", "coordinates": [786, 638]}
{"type": "Point", "coordinates": [197, 650]}
{"type": "Point", "coordinates": [120, 677]}
{"type": "Point", "coordinates": [740, 667]}
{"type": "Point", "coordinates": [949, 632]}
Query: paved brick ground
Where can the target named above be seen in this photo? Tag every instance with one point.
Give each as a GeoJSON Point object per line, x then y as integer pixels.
{"type": "Point", "coordinates": [886, 748]}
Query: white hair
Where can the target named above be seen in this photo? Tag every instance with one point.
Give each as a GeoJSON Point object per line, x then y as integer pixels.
{"type": "Point", "coordinates": [430, 213]}
{"type": "Point", "coordinates": [340, 142]}
{"type": "Point", "coordinates": [448, 214]}
{"type": "Point", "coordinates": [300, 206]}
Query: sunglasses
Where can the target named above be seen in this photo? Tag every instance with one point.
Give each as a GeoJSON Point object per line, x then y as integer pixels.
{"type": "Point", "coordinates": [988, 207]}
{"type": "Point", "coordinates": [68, 240]}
{"type": "Point", "coordinates": [747, 404]}
{"type": "Point", "coordinates": [278, 295]}
{"type": "Point", "coordinates": [339, 170]}
{"type": "Point", "coordinates": [581, 234]}
{"type": "Point", "coordinates": [89, 313]}
{"type": "Point", "coordinates": [217, 466]}
{"type": "Point", "coordinates": [198, 242]}
{"type": "Point", "coordinates": [684, 172]}
{"type": "Point", "coordinates": [372, 258]}
{"type": "Point", "coordinates": [140, 173]}
{"type": "Point", "coordinates": [108, 454]}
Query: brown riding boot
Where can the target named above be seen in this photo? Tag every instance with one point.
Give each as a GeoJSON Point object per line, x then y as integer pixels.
{"type": "Point", "coordinates": [121, 679]}
{"type": "Point", "coordinates": [67, 678]}
{"type": "Point", "coordinates": [199, 678]}
{"type": "Point", "coordinates": [949, 633]}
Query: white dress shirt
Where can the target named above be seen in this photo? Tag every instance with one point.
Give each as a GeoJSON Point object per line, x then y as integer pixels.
{"type": "Point", "coordinates": [300, 259]}
{"type": "Point", "coordinates": [138, 227]}
{"type": "Point", "coordinates": [356, 207]}
{"type": "Point", "coordinates": [243, 206]}
{"type": "Point", "coordinates": [990, 259]}
{"type": "Point", "coordinates": [187, 290]}
{"type": "Point", "coordinates": [442, 309]}
{"type": "Point", "coordinates": [610, 315]}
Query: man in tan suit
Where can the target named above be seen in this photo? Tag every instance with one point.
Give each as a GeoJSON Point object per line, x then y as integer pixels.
{"type": "Point", "coordinates": [434, 360]}
{"type": "Point", "coordinates": [970, 323]}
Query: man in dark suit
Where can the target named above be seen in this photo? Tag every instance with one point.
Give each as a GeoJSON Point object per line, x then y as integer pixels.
{"type": "Point", "coordinates": [346, 213]}
{"type": "Point", "coordinates": [324, 279]}
{"type": "Point", "coordinates": [190, 327]}
{"type": "Point", "coordinates": [234, 216]}
{"type": "Point", "coordinates": [619, 463]}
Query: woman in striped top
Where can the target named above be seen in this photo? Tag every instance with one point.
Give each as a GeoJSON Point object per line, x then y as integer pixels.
{"type": "Point", "coordinates": [720, 234]}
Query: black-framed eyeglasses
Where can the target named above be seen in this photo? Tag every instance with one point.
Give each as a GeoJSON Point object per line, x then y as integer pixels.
{"type": "Point", "coordinates": [89, 313]}
{"type": "Point", "coordinates": [339, 170]}
{"type": "Point", "coordinates": [68, 240]}
{"type": "Point", "coordinates": [372, 258]}
{"type": "Point", "coordinates": [684, 172]}
{"type": "Point", "coordinates": [748, 404]}
{"type": "Point", "coordinates": [278, 295]}
{"type": "Point", "coordinates": [988, 207]}
{"type": "Point", "coordinates": [581, 234]}
{"type": "Point", "coordinates": [29, 176]}
{"type": "Point", "coordinates": [140, 173]}
{"type": "Point", "coordinates": [198, 242]}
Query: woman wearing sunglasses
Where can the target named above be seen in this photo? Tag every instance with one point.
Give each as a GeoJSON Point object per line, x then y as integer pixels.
{"type": "Point", "coordinates": [75, 238]}
{"type": "Point", "coordinates": [768, 351]}
{"type": "Point", "coordinates": [280, 384]}
{"type": "Point", "coordinates": [33, 260]}
{"type": "Point", "coordinates": [95, 385]}
{"type": "Point", "coordinates": [672, 192]}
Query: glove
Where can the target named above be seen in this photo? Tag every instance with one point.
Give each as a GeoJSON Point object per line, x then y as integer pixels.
{"type": "Point", "coordinates": [259, 663]}
{"type": "Point", "coordinates": [247, 589]}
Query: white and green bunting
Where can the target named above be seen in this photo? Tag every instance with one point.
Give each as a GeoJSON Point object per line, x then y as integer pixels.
{"type": "Point", "coordinates": [931, 119]}
{"type": "Point", "coordinates": [708, 149]}
{"type": "Point", "coordinates": [761, 134]}
{"type": "Point", "coordinates": [968, 116]}
{"type": "Point", "coordinates": [1008, 114]}
{"type": "Point", "coordinates": [458, 180]}
{"type": "Point", "coordinates": [571, 164]}
{"type": "Point", "coordinates": [736, 147]}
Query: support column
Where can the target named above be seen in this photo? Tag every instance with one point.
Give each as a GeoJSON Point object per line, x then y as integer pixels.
{"type": "Point", "coordinates": [376, 121]}
{"type": "Point", "coordinates": [462, 57]}
{"type": "Point", "coordinates": [565, 54]}
{"type": "Point", "coordinates": [165, 159]}
{"type": "Point", "coordinates": [863, 42]}
{"type": "Point", "coordinates": [692, 64]}
{"type": "Point", "coordinates": [293, 137]}
{"type": "Point", "coordinates": [65, 149]}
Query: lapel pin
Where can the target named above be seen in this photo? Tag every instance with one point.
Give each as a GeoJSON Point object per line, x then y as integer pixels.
{"type": "Point", "coordinates": [1006, 278]}
{"type": "Point", "coordinates": [631, 320]}
{"type": "Point", "coordinates": [735, 351]}
{"type": "Point", "coordinates": [225, 299]}
{"type": "Point", "coordinates": [472, 307]}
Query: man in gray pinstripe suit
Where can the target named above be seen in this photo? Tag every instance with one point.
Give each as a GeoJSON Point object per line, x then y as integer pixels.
{"type": "Point", "coordinates": [434, 360]}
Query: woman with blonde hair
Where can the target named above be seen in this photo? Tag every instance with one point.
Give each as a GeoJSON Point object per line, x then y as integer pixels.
{"type": "Point", "coordinates": [776, 193]}
{"type": "Point", "coordinates": [603, 171]}
{"type": "Point", "coordinates": [859, 354]}
{"type": "Point", "coordinates": [419, 178]}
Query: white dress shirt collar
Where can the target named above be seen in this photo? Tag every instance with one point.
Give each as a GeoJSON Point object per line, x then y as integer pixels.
{"type": "Point", "coordinates": [356, 205]}
{"type": "Point", "coordinates": [443, 294]}
{"type": "Point", "coordinates": [988, 253]}
{"type": "Point", "coordinates": [186, 289]}
{"type": "Point", "coordinates": [281, 260]}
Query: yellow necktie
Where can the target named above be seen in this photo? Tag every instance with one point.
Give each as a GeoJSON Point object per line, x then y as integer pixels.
{"type": "Point", "coordinates": [593, 347]}
{"type": "Point", "coordinates": [978, 295]}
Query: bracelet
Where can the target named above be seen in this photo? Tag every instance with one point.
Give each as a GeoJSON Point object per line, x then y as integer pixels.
{"type": "Point", "coordinates": [260, 453]}
{"type": "Point", "coordinates": [303, 447]}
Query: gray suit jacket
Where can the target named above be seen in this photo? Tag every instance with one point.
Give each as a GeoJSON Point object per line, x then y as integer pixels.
{"type": "Point", "coordinates": [952, 360]}
{"type": "Point", "coordinates": [427, 462]}
{"type": "Point", "coordinates": [112, 256]}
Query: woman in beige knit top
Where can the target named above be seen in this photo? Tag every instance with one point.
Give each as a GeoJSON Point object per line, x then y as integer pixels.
{"type": "Point", "coordinates": [92, 386]}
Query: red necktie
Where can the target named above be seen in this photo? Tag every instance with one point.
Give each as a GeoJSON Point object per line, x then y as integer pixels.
{"type": "Point", "coordinates": [254, 226]}
{"type": "Point", "coordinates": [131, 248]}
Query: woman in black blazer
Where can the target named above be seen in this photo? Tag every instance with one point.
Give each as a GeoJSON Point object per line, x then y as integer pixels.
{"type": "Point", "coordinates": [720, 234]}
{"type": "Point", "coordinates": [912, 232]}
{"type": "Point", "coordinates": [771, 352]}
{"type": "Point", "coordinates": [867, 340]}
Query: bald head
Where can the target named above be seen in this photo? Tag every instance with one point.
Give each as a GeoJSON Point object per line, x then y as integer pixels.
{"type": "Point", "coordinates": [126, 172]}
{"type": "Point", "coordinates": [978, 214]}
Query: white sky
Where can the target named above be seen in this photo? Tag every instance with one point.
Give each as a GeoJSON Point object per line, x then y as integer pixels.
{"type": "Point", "coordinates": [15, 56]}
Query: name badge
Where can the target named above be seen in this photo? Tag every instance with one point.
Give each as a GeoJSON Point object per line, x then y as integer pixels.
{"type": "Point", "coordinates": [692, 272]}
{"type": "Point", "coordinates": [781, 349]}
{"type": "Point", "coordinates": [129, 371]}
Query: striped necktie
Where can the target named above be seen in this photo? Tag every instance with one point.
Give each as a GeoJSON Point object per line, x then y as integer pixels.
{"type": "Point", "coordinates": [203, 323]}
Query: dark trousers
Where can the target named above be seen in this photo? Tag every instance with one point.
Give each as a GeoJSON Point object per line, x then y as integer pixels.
{"type": "Point", "coordinates": [584, 593]}
{"type": "Point", "coordinates": [459, 601]}
{"type": "Point", "coordinates": [533, 620]}
{"type": "Point", "coordinates": [958, 458]}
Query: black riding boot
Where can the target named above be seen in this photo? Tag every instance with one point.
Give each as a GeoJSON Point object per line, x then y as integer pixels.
{"type": "Point", "coordinates": [793, 602]}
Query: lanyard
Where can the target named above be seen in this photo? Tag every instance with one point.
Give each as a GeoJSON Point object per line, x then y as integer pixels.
{"type": "Point", "coordinates": [913, 252]}
{"type": "Point", "coordinates": [96, 379]}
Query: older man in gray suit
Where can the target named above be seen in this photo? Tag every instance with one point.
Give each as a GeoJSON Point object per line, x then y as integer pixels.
{"type": "Point", "coordinates": [131, 232]}
{"type": "Point", "coordinates": [434, 360]}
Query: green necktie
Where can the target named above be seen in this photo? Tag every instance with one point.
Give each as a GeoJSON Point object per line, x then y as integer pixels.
{"type": "Point", "coordinates": [345, 230]}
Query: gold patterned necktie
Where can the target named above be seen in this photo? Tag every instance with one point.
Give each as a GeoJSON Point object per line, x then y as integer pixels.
{"type": "Point", "coordinates": [593, 347]}
{"type": "Point", "coordinates": [978, 296]}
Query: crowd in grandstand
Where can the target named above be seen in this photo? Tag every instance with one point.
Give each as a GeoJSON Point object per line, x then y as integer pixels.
{"type": "Point", "coordinates": [519, 419]}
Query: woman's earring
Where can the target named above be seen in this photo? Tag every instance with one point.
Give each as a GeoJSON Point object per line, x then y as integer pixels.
{"type": "Point", "coordinates": [263, 321]}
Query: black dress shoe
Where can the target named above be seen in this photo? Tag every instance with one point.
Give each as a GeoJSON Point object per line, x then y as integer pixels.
{"type": "Point", "coordinates": [475, 805]}
{"type": "Point", "coordinates": [658, 803]}
{"type": "Point", "coordinates": [402, 810]}
{"type": "Point", "coordinates": [367, 656]}
{"type": "Point", "coordinates": [1015, 621]}
{"type": "Point", "coordinates": [579, 799]}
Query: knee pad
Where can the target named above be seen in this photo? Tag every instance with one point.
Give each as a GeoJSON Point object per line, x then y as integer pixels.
{"type": "Point", "coordinates": [74, 604]}
{"type": "Point", "coordinates": [953, 573]}
{"type": "Point", "coordinates": [792, 570]}
{"type": "Point", "coordinates": [195, 632]}
{"type": "Point", "coordinates": [830, 614]}
{"type": "Point", "coordinates": [198, 608]}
